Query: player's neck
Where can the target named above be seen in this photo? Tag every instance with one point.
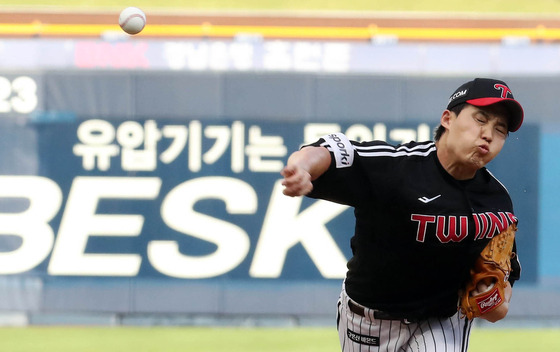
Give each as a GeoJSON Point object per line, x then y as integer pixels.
{"type": "Point", "coordinates": [452, 164]}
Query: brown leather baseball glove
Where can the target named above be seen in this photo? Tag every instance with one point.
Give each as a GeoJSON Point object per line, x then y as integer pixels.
{"type": "Point", "coordinates": [493, 265]}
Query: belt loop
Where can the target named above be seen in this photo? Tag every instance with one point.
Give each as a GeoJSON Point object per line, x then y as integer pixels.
{"type": "Point", "coordinates": [356, 308]}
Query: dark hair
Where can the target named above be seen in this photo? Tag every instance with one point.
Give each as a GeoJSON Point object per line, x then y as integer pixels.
{"type": "Point", "coordinates": [440, 129]}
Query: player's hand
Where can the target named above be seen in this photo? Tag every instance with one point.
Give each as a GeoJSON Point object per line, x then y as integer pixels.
{"type": "Point", "coordinates": [483, 286]}
{"type": "Point", "coordinates": [501, 311]}
{"type": "Point", "coordinates": [304, 166]}
{"type": "Point", "coordinates": [297, 181]}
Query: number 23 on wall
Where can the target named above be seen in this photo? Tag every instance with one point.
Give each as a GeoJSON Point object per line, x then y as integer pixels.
{"type": "Point", "coordinates": [18, 95]}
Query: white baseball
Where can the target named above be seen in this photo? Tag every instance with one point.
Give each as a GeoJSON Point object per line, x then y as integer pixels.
{"type": "Point", "coordinates": [132, 20]}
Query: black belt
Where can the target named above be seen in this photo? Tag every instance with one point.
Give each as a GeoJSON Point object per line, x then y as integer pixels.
{"type": "Point", "coordinates": [378, 314]}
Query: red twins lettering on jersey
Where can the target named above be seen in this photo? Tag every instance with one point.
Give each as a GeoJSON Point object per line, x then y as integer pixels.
{"type": "Point", "coordinates": [487, 225]}
{"type": "Point", "coordinates": [453, 228]}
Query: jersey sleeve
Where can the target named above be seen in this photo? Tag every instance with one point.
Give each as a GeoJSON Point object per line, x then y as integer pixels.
{"type": "Point", "coordinates": [515, 262]}
{"type": "Point", "coordinates": [515, 266]}
{"type": "Point", "coordinates": [344, 182]}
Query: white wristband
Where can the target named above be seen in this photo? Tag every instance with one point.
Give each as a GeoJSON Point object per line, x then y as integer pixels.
{"type": "Point", "coordinates": [342, 149]}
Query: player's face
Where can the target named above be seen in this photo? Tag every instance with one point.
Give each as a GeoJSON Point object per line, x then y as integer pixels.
{"type": "Point", "coordinates": [477, 134]}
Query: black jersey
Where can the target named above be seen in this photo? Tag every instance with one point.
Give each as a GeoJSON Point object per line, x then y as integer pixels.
{"type": "Point", "coordinates": [418, 230]}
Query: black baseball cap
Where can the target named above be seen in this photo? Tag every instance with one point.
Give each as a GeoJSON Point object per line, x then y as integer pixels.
{"type": "Point", "coordinates": [487, 91]}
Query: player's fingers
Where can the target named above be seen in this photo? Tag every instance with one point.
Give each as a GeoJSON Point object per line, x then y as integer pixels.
{"type": "Point", "coordinates": [297, 187]}
{"type": "Point", "coordinates": [488, 282]}
{"type": "Point", "coordinates": [483, 286]}
{"type": "Point", "coordinates": [297, 184]}
{"type": "Point", "coordinates": [297, 190]}
{"type": "Point", "coordinates": [297, 181]}
{"type": "Point", "coordinates": [293, 175]}
{"type": "Point", "coordinates": [287, 171]}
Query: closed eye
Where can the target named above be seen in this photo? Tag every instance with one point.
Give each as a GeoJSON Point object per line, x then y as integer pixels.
{"type": "Point", "coordinates": [502, 130]}
{"type": "Point", "coordinates": [481, 118]}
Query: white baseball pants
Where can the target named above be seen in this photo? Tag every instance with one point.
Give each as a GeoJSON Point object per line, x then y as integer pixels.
{"type": "Point", "coordinates": [365, 333]}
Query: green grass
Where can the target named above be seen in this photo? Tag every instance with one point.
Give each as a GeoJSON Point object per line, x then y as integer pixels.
{"type": "Point", "coordinates": [171, 339]}
{"type": "Point", "coordinates": [515, 340]}
{"type": "Point", "coordinates": [541, 7]}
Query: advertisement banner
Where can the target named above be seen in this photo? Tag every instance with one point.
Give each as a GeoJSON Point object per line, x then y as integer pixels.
{"type": "Point", "coordinates": [381, 55]}
{"type": "Point", "coordinates": [193, 199]}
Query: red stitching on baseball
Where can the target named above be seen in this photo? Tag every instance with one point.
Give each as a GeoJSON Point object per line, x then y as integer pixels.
{"type": "Point", "coordinates": [131, 17]}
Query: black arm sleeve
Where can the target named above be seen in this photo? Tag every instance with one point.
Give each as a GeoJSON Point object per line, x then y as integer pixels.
{"type": "Point", "coordinates": [515, 266]}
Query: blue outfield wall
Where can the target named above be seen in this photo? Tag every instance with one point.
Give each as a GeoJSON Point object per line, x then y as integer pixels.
{"type": "Point", "coordinates": [196, 207]}
{"type": "Point", "coordinates": [549, 204]}
{"type": "Point", "coordinates": [108, 207]}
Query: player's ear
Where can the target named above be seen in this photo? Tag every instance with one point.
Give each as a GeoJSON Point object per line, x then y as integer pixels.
{"type": "Point", "coordinates": [446, 118]}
